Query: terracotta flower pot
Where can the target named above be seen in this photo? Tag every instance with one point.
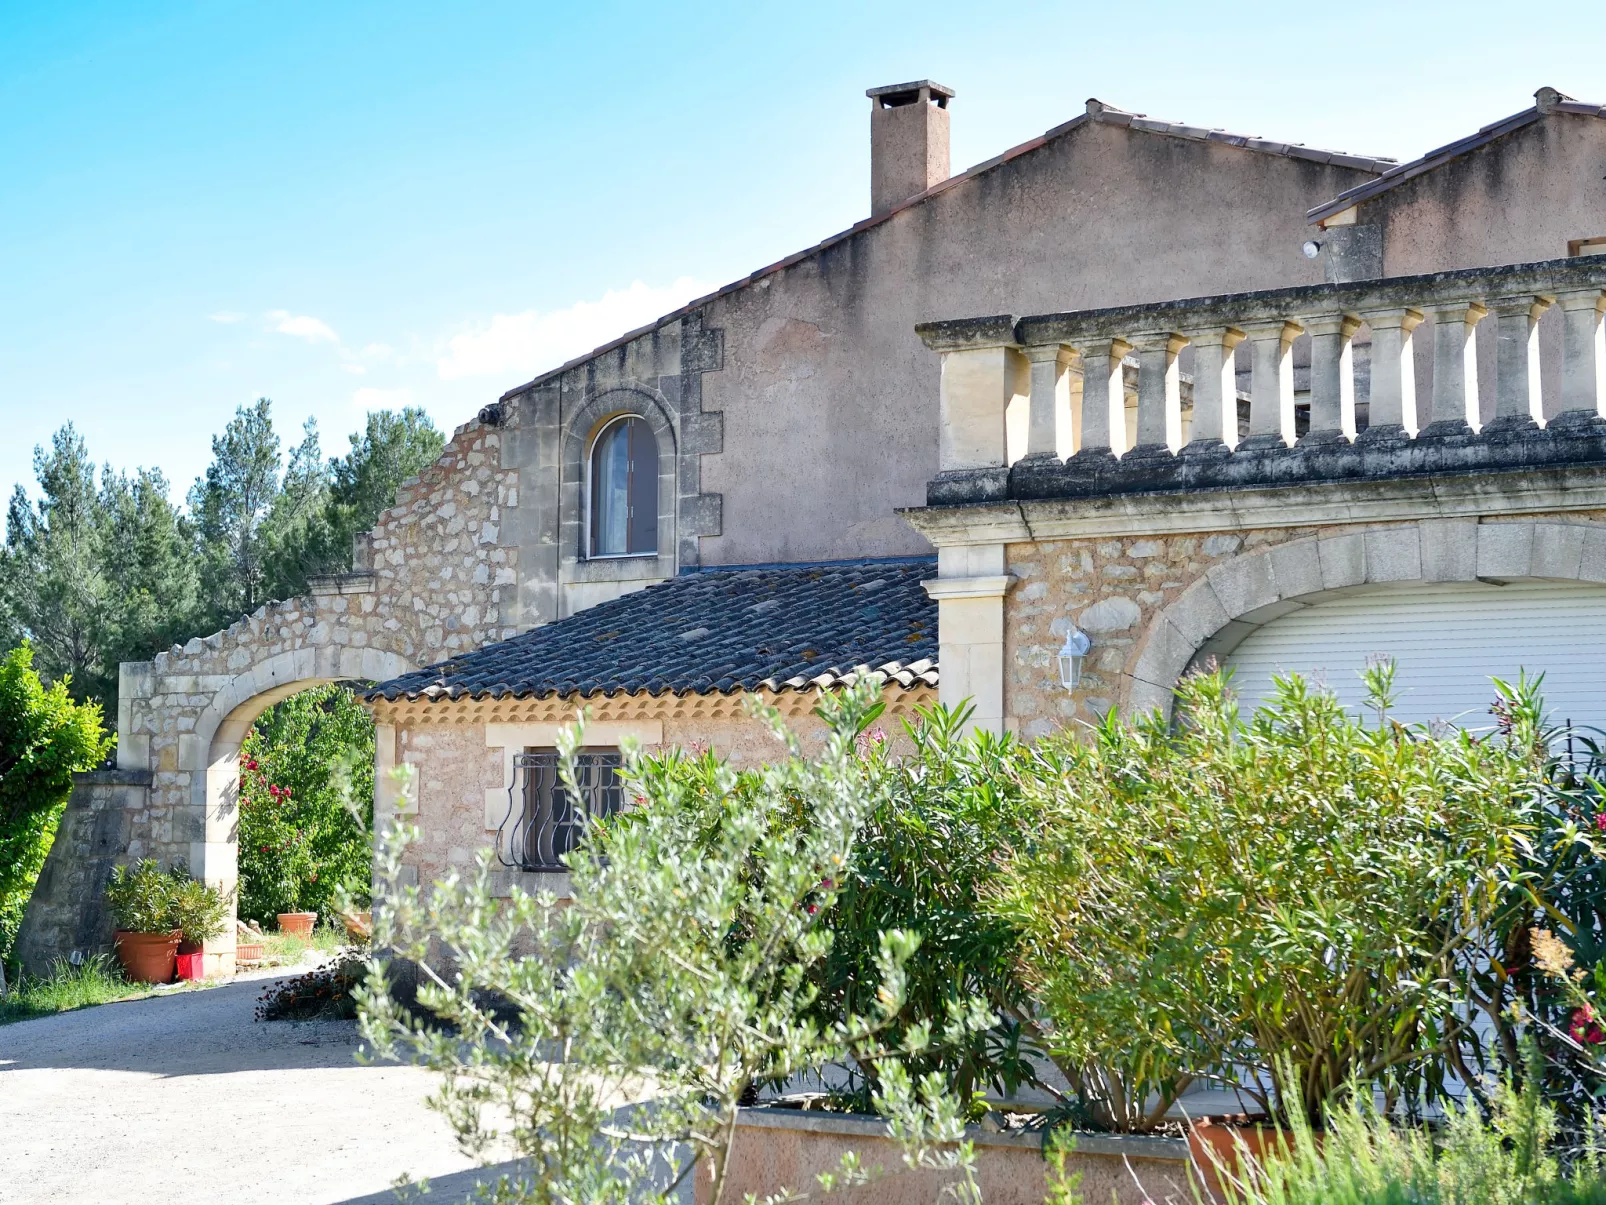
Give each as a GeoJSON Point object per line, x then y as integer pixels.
{"type": "Point", "coordinates": [251, 951]}
{"type": "Point", "coordinates": [147, 957]}
{"type": "Point", "coordinates": [1227, 1144]}
{"type": "Point", "coordinates": [359, 925]}
{"type": "Point", "coordinates": [299, 923]}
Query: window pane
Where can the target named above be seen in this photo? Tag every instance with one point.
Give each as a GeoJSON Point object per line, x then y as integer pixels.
{"type": "Point", "coordinates": [643, 488]}
{"type": "Point", "coordinates": [610, 492]}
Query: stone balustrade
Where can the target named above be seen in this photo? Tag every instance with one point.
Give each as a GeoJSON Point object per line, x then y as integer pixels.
{"type": "Point", "coordinates": [1074, 368]}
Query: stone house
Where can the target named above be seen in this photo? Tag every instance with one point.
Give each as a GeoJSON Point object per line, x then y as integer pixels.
{"type": "Point", "coordinates": [797, 417]}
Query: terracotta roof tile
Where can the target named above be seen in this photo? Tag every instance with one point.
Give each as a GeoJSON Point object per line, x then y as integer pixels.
{"type": "Point", "coordinates": [787, 627]}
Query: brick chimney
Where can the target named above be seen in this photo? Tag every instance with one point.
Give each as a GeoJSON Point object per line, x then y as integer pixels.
{"type": "Point", "coordinates": [908, 141]}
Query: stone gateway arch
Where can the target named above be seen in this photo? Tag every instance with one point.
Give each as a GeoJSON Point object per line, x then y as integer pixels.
{"type": "Point", "coordinates": [433, 578]}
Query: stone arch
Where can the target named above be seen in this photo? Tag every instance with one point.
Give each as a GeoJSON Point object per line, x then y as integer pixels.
{"type": "Point", "coordinates": [1214, 614]}
{"type": "Point", "coordinates": [575, 447]}
{"type": "Point", "coordinates": [183, 716]}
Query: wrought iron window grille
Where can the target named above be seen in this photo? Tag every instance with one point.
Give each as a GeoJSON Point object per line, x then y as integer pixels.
{"type": "Point", "coordinates": [544, 821]}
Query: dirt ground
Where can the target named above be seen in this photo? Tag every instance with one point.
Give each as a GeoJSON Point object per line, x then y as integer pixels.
{"type": "Point", "coordinates": [183, 1098]}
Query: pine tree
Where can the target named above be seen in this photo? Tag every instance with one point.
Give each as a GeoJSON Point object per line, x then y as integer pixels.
{"type": "Point", "coordinates": [150, 569]}
{"type": "Point", "coordinates": [229, 507]}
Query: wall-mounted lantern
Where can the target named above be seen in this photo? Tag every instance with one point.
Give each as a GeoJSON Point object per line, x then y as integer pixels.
{"type": "Point", "coordinates": [1071, 656]}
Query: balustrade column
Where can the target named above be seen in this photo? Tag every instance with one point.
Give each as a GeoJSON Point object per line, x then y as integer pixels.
{"type": "Point", "coordinates": [1393, 399]}
{"type": "Point", "coordinates": [1271, 382]}
{"type": "Point", "coordinates": [1049, 428]}
{"type": "Point", "coordinates": [1103, 396]}
{"type": "Point", "coordinates": [1583, 352]}
{"type": "Point", "coordinates": [1159, 390]}
{"type": "Point", "coordinates": [1455, 365]}
{"type": "Point", "coordinates": [1332, 377]}
{"type": "Point", "coordinates": [1516, 358]}
{"type": "Point", "coordinates": [1215, 386]}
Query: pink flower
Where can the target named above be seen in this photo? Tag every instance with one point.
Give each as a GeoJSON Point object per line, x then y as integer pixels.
{"type": "Point", "coordinates": [1600, 822]}
{"type": "Point", "coordinates": [1585, 1027]}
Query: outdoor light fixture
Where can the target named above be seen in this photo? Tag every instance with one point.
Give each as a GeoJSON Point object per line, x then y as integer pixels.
{"type": "Point", "coordinates": [1077, 642]}
{"type": "Point", "coordinates": [1311, 248]}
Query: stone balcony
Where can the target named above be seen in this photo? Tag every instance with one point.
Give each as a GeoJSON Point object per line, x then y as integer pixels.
{"type": "Point", "coordinates": [1019, 394]}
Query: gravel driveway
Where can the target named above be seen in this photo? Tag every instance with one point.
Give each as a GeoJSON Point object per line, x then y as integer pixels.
{"type": "Point", "coordinates": [183, 1098]}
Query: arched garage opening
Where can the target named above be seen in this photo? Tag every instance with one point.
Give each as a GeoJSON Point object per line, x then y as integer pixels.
{"type": "Point", "coordinates": [1447, 640]}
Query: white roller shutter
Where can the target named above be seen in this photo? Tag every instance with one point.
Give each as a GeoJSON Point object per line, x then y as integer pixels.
{"type": "Point", "coordinates": [1447, 640]}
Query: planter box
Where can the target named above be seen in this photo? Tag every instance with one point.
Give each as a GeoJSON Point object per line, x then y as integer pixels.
{"type": "Point", "coordinates": [784, 1148]}
{"type": "Point", "coordinates": [250, 952]}
{"type": "Point", "coordinates": [191, 966]}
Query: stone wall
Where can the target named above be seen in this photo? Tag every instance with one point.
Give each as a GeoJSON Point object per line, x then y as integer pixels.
{"type": "Point", "coordinates": [1156, 604]}
{"type": "Point", "coordinates": [67, 914]}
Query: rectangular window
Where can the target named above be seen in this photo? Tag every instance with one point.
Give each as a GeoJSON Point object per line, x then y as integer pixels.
{"type": "Point", "coordinates": [544, 821]}
{"type": "Point", "coordinates": [643, 489]}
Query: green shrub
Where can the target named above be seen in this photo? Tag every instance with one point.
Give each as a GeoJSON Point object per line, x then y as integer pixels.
{"type": "Point", "coordinates": [1227, 899]}
{"type": "Point", "coordinates": [45, 737]}
{"type": "Point", "coordinates": [306, 806]}
{"type": "Point", "coordinates": [140, 898]}
{"type": "Point", "coordinates": [146, 899]}
{"type": "Point", "coordinates": [200, 911]}
{"type": "Point", "coordinates": [681, 972]}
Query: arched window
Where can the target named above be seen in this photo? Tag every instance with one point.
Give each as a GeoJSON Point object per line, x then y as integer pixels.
{"type": "Point", "coordinates": [624, 490]}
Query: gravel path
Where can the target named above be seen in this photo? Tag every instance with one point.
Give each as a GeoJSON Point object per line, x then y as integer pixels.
{"type": "Point", "coordinates": [183, 1098]}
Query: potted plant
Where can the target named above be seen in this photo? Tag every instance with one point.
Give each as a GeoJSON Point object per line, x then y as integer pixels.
{"type": "Point", "coordinates": [298, 923]}
{"type": "Point", "coordinates": [140, 899]}
{"type": "Point", "coordinates": [201, 912]}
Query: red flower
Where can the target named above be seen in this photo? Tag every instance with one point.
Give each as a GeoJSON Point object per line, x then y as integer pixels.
{"type": "Point", "coordinates": [1585, 1027]}
{"type": "Point", "coordinates": [827, 884]}
{"type": "Point", "coordinates": [1600, 822]}
{"type": "Point", "coordinates": [812, 908]}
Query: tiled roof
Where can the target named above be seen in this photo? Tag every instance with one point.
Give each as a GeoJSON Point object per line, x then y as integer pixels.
{"type": "Point", "coordinates": [1437, 158]}
{"type": "Point", "coordinates": [1097, 111]}
{"type": "Point", "coordinates": [778, 627]}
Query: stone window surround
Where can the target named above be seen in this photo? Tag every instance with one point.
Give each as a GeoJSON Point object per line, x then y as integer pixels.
{"type": "Point", "coordinates": [579, 435]}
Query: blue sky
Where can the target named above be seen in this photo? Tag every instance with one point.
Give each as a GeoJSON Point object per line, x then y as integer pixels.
{"type": "Point", "coordinates": [344, 205]}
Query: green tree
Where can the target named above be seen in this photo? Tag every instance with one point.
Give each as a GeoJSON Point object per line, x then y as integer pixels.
{"type": "Point", "coordinates": [300, 844]}
{"type": "Point", "coordinates": [353, 492]}
{"type": "Point", "coordinates": [229, 507]}
{"type": "Point", "coordinates": [44, 738]}
{"type": "Point", "coordinates": [51, 568]}
{"type": "Point", "coordinates": [148, 564]}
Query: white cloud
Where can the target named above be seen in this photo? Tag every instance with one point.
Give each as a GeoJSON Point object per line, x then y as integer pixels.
{"type": "Point", "coordinates": [368, 398]}
{"type": "Point", "coordinates": [227, 317]}
{"type": "Point", "coordinates": [302, 326]}
{"type": "Point", "coordinates": [531, 342]}
{"type": "Point", "coordinates": [355, 370]}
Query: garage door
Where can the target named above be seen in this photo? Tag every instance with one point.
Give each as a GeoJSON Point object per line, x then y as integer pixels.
{"type": "Point", "coordinates": [1447, 640]}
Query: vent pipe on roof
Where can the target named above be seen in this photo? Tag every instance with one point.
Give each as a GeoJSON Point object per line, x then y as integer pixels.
{"type": "Point", "coordinates": [908, 141]}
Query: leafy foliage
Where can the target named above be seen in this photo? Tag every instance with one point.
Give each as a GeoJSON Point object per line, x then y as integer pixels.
{"type": "Point", "coordinates": [1240, 901]}
{"type": "Point", "coordinates": [44, 738]}
{"type": "Point", "coordinates": [681, 973]}
{"type": "Point", "coordinates": [144, 898]}
{"type": "Point", "coordinates": [306, 805]}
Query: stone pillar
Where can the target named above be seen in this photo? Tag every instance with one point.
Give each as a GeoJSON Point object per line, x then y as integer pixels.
{"type": "Point", "coordinates": [1332, 377]}
{"type": "Point", "coordinates": [136, 683]}
{"type": "Point", "coordinates": [1393, 400]}
{"type": "Point", "coordinates": [1159, 391]}
{"type": "Point", "coordinates": [1271, 385]}
{"type": "Point", "coordinates": [1455, 366]}
{"type": "Point", "coordinates": [979, 384]}
{"type": "Point", "coordinates": [1516, 358]}
{"type": "Point", "coordinates": [1215, 386]}
{"type": "Point", "coordinates": [1583, 360]}
{"type": "Point", "coordinates": [1103, 396]}
{"type": "Point", "coordinates": [1050, 429]}
{"type": "Point", "coordinates": [969, 591]}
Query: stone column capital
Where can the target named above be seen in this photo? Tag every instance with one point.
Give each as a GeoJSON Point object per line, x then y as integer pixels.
{"type": "Point", "coordinates": [1468, 312]}
{"type": "Point", "coordinates": [1529, 305]}
{"type": "Point", "coordinates": [1284, 329]}
{"type": "Point", "coordinates": [1044, 353]}
{"type": "Point", "coordinates": [1573, 300]}
{"type": "Point", "coordinates": [1226, 337]}
{"type": "Point", "coordinates": [1342, 325]}
{"type": "Point", "coordinates": [1402, 318]}
{"type": "Point", "coordinates": [1157, 341]}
